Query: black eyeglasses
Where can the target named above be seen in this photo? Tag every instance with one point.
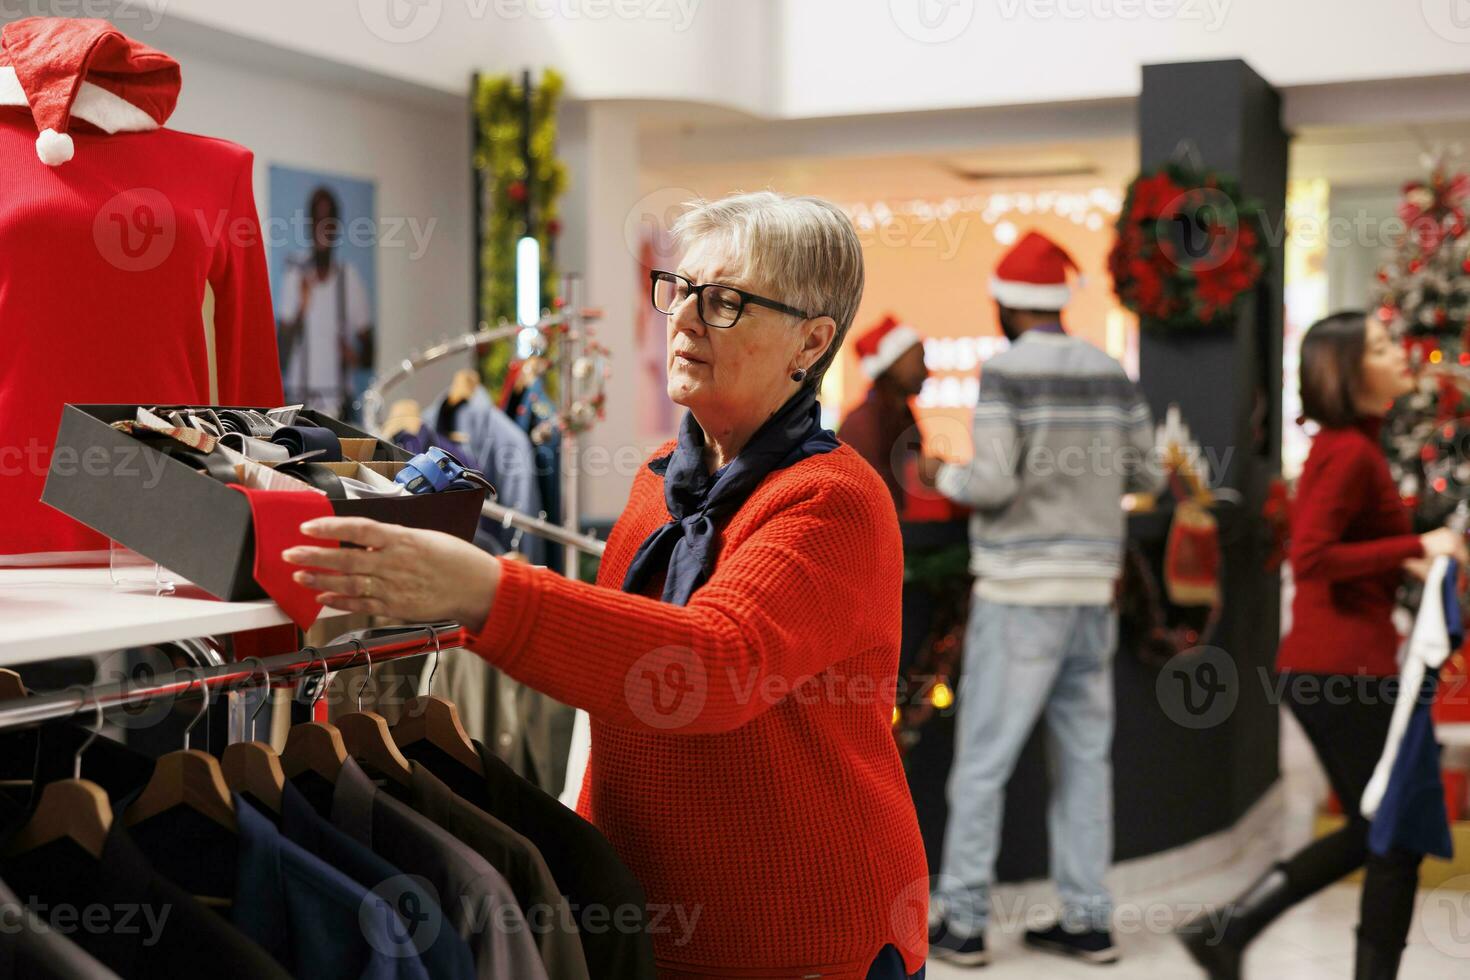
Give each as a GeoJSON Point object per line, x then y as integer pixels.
{"type": "Point", "coordinates": [719, 306]}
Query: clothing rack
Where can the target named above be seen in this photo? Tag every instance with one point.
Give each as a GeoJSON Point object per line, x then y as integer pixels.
{"type": "Point", "coordinates": [571, 324]}
{"type": "Point", "coordinates": [285, 670]}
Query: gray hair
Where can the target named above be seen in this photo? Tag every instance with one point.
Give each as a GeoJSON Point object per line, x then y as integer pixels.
{"type": "Point", "coordinates": [802, 250]}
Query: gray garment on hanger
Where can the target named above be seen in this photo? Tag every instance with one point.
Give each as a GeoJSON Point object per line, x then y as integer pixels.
{"type": "Point", "coordinates": [477, 901]}
{"type": "Point", "coordinates": [517, 723]}
{"type": "Point", "coordinates": [34, 949]}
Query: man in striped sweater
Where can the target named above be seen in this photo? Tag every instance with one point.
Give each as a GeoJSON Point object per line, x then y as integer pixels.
{"type": "Point", "coordinates": [1060, 434]}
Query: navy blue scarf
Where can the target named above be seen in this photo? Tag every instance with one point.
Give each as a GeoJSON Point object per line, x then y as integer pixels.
{"type": "Point", "coordinates": [700, 501]}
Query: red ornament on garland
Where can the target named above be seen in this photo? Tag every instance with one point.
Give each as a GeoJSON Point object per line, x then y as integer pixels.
{"type": "Point", "coordinates": [517, 191]}
{"type": "Point", "coordinates": [553, 227]}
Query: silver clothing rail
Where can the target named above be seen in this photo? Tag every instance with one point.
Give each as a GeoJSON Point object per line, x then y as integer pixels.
{"type": "Point", "coordinates": [285, 670]}
{"type": "Point", "coordinates": [507, 517]}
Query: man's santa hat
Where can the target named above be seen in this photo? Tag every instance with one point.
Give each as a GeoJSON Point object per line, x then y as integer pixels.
{"type": "Point", "coordinates": [65, 68]}
{"type": "Point", "coordinates": [1033, 275]}
{"type": "Point", "coordinates": [884, 344]}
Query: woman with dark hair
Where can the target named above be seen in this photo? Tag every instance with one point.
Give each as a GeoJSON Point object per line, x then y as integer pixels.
{"type": "Point", "coordinates": [1351, 540]}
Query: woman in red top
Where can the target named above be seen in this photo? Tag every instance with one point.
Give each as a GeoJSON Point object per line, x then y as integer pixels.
{"type": "Point", "coordinates": [738, 654]}
{"type": "Point", "coordinates": [1351, 541]}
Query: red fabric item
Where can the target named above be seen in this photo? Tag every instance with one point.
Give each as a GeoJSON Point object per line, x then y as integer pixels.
{"type": "Point", "coordinates": [1454, 792]}
{"type": "Point", "coordinates": [278, 516]}
{"type": "Point", "coordinates": [107, 263]}
{"type": "Point", "coordinates": [1452, 702]}
{"type": "Point", "coordinates": [782, 815]}
{"type": "Point", "coordinates": [1350, 536]}
{"type": "Point", "coordinates": [54, 56]}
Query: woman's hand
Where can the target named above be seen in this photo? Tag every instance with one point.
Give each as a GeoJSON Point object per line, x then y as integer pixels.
{"type": "Point", "coordinates": [1446, 543]}
{"type": "Point", "coordinates": [929, 469]}
{"type": "Point", "coordinates": [1418, 567]}
{"type": "Point", "coordinates": [407, 573]}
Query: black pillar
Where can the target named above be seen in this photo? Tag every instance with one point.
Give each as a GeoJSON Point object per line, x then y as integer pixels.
{"type": "Point", "coordinates": [1227, 383]}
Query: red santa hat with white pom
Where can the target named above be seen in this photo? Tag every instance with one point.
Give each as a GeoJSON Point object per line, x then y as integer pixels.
{"type": "Point", "coordinates": [1033, 275]}
{"type": "Point", "coordinates": [67, 68]}
{"type": "Point", "coordinates": [882, 345]}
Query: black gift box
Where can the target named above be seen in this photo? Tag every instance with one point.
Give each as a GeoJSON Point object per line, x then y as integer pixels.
{"type": "Point", "coordinates": [195, 525]}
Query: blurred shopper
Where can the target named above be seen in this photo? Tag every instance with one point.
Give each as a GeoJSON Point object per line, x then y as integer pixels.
{"type": "Point", "coordinates": [1351, 542]}
{"type": "Point", "coordinates": [882, 428]}
{"type": "Point", "coordinates": [1060, 435]}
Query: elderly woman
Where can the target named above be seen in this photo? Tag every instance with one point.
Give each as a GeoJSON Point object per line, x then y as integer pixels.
{"type": "Point", "coordinates": [737, 655]}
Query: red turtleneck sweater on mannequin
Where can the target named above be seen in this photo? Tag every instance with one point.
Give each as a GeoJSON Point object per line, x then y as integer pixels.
{"type": "Point", "coordinates": [111, 260]}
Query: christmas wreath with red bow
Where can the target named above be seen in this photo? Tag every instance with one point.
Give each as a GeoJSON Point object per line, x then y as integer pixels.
{"type": "Point", "coordinates": [1189, 248]}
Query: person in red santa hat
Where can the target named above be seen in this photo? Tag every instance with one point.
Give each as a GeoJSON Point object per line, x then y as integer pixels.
{"type": "Point", "coordinates": [1060, 435]}
{"type": "Point", "coordinates": [882, 427]}
{"type": "Point", "coordinates": [117, 234]}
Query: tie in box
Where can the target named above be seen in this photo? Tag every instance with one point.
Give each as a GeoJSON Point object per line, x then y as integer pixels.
{"type": "Point", "coordinates": [195, 525]}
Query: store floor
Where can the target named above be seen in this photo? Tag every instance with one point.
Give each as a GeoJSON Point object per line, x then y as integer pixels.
{"type": "Point", "coordinates": [1314, 941]}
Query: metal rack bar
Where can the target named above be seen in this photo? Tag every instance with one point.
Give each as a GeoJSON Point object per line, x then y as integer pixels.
{"type": "Point", "coordinates": [285, 670]}
{"type": "Point", "coordinates": [567, 354]}
{"type": "Point", "coordinates": [502, 514]}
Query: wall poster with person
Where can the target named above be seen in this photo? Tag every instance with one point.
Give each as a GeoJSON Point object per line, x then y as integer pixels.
{"type": "Point", "coordinates": [323, 265]}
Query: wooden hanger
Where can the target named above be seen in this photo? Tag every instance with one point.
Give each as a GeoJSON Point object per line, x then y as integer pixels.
{"type": "Point", "coordinates": [436, 721]}
{"type": "Point", "coordinates": [253, 767]}
{"type": "Point", "coordinates": [314, 746]}
{"type": "Point", "coordinates": [74, 809]}
{"type": "Point", "coordinates": [187, 778]}
{"type": "Point", "coordinates": [366, 735]}
{"type": "Point", "coordinates": [463, 386]}
{"type": "Point", "coordinates": [11, 686]}
{"type": "Point", "coordinates": [532, 368]}
{"type": "Point", "coordinates": [404, 416]}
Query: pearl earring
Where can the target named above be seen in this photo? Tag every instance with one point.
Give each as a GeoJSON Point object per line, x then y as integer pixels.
{"type": "Point", "coordinates": [799, 374]}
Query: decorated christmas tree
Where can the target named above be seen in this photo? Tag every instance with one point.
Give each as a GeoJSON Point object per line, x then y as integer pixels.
{"type": "Point", "coordinates": [1422, 294]}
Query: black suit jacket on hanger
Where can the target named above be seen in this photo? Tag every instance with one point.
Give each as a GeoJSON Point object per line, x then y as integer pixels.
{"type": "Point", "coordinates": [587, 870]}
{"type": "Point", "coordinates": [141, 925]}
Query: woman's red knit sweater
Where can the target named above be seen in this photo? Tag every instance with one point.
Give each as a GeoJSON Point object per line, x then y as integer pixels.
{"type": "Point", "coordinates": [742, 763]}
{"type": "Point", "coordinates": [1350, 535]}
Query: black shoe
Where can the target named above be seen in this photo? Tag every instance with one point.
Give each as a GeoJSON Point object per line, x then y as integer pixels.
{"type": "Point", "coordinates": [1217, 941]}
{"type": "Point", "coordinates": [953, 949]}
{"type": "Point", "coordinates": [1092, 946]}
{"type": "Point", "coordinates": [1376, 962]}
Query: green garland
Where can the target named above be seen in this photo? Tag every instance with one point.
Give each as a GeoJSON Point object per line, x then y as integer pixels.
{"type": "Point", "coordinates": [507, 180]}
